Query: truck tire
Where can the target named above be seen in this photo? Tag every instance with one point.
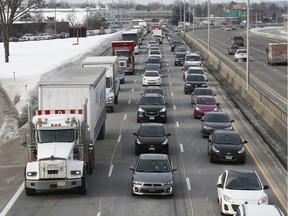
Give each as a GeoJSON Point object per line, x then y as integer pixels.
{"type": "Point", "coordinates": [29, 191]}
{"type": "Point", "coordinates": [112, 109]}
{"type": "Point", "coordinates": [116, 99]}
{"type": "Point", "coordinates": [83, 188]}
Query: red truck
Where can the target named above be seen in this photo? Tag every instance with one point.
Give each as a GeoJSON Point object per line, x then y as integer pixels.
{"type": "Point", "coordinates": [155, 27]}
{"type": "Point", "coordinates": [276, 53]}
{"type": "Point", "coordinates": [125, 51]}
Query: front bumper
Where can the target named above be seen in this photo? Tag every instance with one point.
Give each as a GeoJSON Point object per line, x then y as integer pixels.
{"type": "Point", "coordinates": [53, 184]}
{"type": "Point", "coordinates": [152, 189]}
{"type": "Point", "coordinates": [153, 117]}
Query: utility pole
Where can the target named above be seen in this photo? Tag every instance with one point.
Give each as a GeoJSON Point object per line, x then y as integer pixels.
{"type": "Point", "coordinates": [247, 46]}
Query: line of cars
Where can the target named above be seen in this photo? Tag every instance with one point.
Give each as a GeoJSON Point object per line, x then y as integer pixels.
{"type": "Point", "coordinates": [235, 187]}
{"type": "Point", "coordinates": [240, 54]}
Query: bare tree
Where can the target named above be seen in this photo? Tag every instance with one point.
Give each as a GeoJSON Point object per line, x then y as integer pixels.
{"type": "Point", "coordinates": [73, 21]}
{"type": "Point", "coordinates": [10, 11]}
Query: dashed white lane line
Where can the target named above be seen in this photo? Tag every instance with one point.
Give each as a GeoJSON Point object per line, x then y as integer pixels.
{"type": "Point", "coordinates": [170, 84]}
{"type": "Point", "coordinates": [181, 148]}
{"type": "Point", "coordinates": [174, 107]}
{"type": "Point", "coordinates": [110, 170]}
{"type": "Point", "coordinates": [125, 116]}
{"type": "Point", "coordinates": [132, 90]}
{"type": "Point", "coordinates": [275, 69]}
{"type": "Point", "coordinates": [188, 184]}
{"type": "Point", "coordinates": [177, 124]}
{"type": "Point", "coordinates": [119, 138]}
{"type": "Point", "coordinates": [135, 81]}
{"type": "Point", "coordinates": [172, 94]}
{"type": "Point", "coordinates": [169, 76]}
{"type": "Point", "coordinates": [129, 101]}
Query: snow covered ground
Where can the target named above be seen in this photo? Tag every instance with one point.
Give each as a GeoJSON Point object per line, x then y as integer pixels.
{"type": "Point", "coordinates": [29, 60]}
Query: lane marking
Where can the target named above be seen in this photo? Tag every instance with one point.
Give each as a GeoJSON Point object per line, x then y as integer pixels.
{"type": "Point", "coordinates": [119, 138]}
{"type": "Point", "coordinates": [275, 69]}
{"type": "Point", "coordinates": [172, 94]}
{"type": "Point", "coordinates": [99, 214]}
{"type": "Point", "coordinates": [135, 81]}
{"type": "Point", "coordinates": [177, 124]}
{"type": "Point", "coordinates": [188, 184]}
{"type": "Point", "coordinates": [174, 107]}
{"type": "Point", "coordinates": [129, 101]}
{"type": "Point", "coordinates": [170, 84]}
{"type": "Point", "coordinates": [181, 148]}
{"type": "Point", "coordinates": [110, 170]}
{"type": "Point", "coordinates": [169, 76]}
{"type": "Point", "coordinates": [12, 200]}
{"type": "Point", "coordinates": [132, 90]}
{"type": "Point", "coordinates": [125, 116]}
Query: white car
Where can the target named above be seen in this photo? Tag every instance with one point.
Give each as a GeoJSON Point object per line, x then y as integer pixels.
{"type": "Point", "coordinates": [152, 42]}
{"type": "Point", "coordinates": [255, 209]}
{"type": "Point", "coordinates": [240, 54]}
{"type": "Point", "coordinates": [193, 59]}
{"type": "Point", "coordinates": [194, 70]}
{"type": "Point", "coordinates": [44, 36]}
{"type": "Point", "coordinates": [236, 187]}
{"type": "Point", "coordinates": [151, 78]}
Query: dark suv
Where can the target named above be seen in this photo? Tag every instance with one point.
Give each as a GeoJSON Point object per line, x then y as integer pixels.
{"type": "Point", "coordinates": [193, 81]}
{"type": "Point", "coordinates": [179, 58]}
{"type": "Point", "coordinates": [153, 64]}
{"type": "Point", "coordinates": [152, 107]}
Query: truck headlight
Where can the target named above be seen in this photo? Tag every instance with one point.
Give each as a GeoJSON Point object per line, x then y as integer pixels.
{"type": "Point", "coordinates": [75, 172]}
{"type": "Point", "coordinates": [32, 173]}
{"type": "Point", "coordinates": [176, 59]}
{"type": "Point", "coordinates": [110, 98]}
{"type": "Point", "coordinates": [207, 128]}
{"type": "Point", "coordinates": [228, 128]}
{"type": "Point", "coordinates": [197, 108]}
{"type": "Point", "coordinates": [187, 84]}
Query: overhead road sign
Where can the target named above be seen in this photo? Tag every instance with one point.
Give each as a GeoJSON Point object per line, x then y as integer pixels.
{"type": "Point", "coordinates": [234, 14]}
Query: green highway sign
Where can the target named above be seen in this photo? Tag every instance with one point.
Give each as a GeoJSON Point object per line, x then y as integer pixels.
{"type": "Point", "coordinates": [234, 14]}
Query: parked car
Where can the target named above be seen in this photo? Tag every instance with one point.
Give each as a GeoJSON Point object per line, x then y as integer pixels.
{"type": "Point", "coordinates": [192, 81]}
{"type": "Point", "coordinates": [226, 146]}
{"type": "Point", "coordinates": [13, 39]}
{"type": "Point", "coordinates": [151, 78]}
{"type": "Point", "coordinates": [179, 58]}
{"type": "Point", "coordinates": [232, 49]}
{"type": "Point", "coordinates": [203, 104]}
{"type": "Point", "coordinates": [64, 35]}
{"type": "Point", "coordinates": [151, 138]}
{"type": "Point", "coordinates": [240, 55]}
{"type": "Point", "coordinates": [152, 107]}
{"type": "Point", "coordinates": [212, 121]}
{"type": "Point", "coordinates": [236, 187]}
{"type": "Point", "coordinates": [121, 76]}
{"type": "Point", "coordinates": [153, 175]}
{"type": "Point", "coordinates": [256, 209]}
{"type": "Point", "coordinates": [28, 37]}
{"type": "Point", "coordinates": [43, 36]}
{"type": "Point", "coordinates": [200, 91]}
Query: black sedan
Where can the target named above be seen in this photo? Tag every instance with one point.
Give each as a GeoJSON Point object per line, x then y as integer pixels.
{"type": "Point", "coordinates": [151, 138]}
{"type": "Point", "coordinates": [212, 121]}
{"type": "Point", "coordinates": [192, 81]}
{"type": "Point", "coordinates": [226, 146]}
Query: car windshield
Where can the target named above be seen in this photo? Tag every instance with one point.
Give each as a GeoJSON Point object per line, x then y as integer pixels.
{"type": "Point", "coordinates": [180, 55]}
{"type": "Point", "coordinates": [122, 52]}
{"type": "Point", "coordinates": [229, 139]}
{"type": "Point", "coordinates": [158, 91]}
{"type": "Point", "coordinates": [234, 47]}
{"type": "Point", "coordinates": [154, 52]}
{"type": "Point", "coordinates": [151, 74]}
{"type": "Point", "coordinates": [216, 118]}
{"type": "Point", "coordinates": [195, 71]}
{"type": "Point", "coordinates": [196, 78]}
{"type": "Point", "coordinates": [151, 131]}
{"type": "Point", "coordinates": [47, 136]}
{"type": "Point", "coordinates": [203, 92]}
{"type": "Point", "coordinates": [241, 51]}
{"type": "Point", "coordinates": [153, 61]}
{"type": "Point", "coordinates": [151, 101]}
{"type": "Point", "coordinates": [193, 58]}
{"type": "Point", "coordinates": [206, 101]}
{"type": "Point", "coordinates": [243, 183]}
{"type": "Point", "coordinates": [153, 166]}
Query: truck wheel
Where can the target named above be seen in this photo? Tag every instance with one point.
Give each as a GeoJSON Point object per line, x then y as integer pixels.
{"type": "Point", "coordinates": [116, 99]}
{"type": "Point", "coordinates": [112, 109]}
{"type": "Point", "coordinates": [29, 191]}
{"type": "Point", "coordinates": [83, 188]}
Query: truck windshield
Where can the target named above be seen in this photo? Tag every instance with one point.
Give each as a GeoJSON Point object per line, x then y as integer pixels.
{"type": "Point", "coordinates": [47, 136]}
{"type": "Point", "coordinates": [122, 52]}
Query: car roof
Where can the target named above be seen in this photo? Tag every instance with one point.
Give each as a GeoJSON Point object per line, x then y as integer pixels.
{"type": "Point", "coordinates": [153, 156]}
{"type": "Point", "coordinates": [225, 131]}
{"type": "Point", "coordinates": [153, 87]}
{"type": "Point", "coordinates": [152, 95]}
{"type": "Point", "coordinates": [205, 96]}
{"type": "Point", "coordinates": [196, 67]}
{"type": "Point", "coordinates": [152, 124]}
{"type": "Point", "coordinates": [263, 210]}
{"type": "Point", "coordinates": [193, 54]}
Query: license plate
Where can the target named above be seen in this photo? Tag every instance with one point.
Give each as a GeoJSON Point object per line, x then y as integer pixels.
{"type": "Point", "coordinates": [151, 117]}
{"type": "Point", "coordinates": [228, 157]}
{"type": "Point", "coordinates": [151, 148]}
{"type": "Point", "coordinates": [152, 190]}
{"type": "Point", "coordinates": [61, 184]}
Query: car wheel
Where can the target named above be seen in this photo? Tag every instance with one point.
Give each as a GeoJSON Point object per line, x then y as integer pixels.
{"type": "Point", "coordinates": [211, 159]}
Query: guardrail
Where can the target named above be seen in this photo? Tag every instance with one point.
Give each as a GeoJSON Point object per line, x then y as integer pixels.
{"type": "Point", "coordinates": [273, 115]}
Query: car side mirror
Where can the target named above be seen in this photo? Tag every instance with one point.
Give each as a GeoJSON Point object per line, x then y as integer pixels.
{"type": "Point", "coordinates": [202, 119]}
{"type": "Point", "coordinates": [168, 134]}
{"type": "Point", "coordinates": [244, 142]}
{"type": "Point", "coordinates": [135, 134]}
{"type": "Point", "coordinates": [232, 121]}
{"type": "Point", "coordinates": [131, 168]}
{"type": "Point", "coordinates": [218, 104]}
{"type": "Point", "coordinates": [219, 186]}
{"type": "Point", "coordinates": [209, 140]}
{"type": "Point", "coordinates": [265, 187]}
{"type": "Point", "coordinates": [174, 169]}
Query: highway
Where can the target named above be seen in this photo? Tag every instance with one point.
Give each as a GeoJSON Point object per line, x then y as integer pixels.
{"type": "Point", "coordinates": [270, 79]}
{"type": "Point", "coordinates": [109, 188]}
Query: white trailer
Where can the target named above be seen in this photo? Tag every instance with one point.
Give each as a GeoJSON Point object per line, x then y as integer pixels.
{"type": "Point", "coordinates": [111, 63]}
{"type": "Point", "coordinates": [64, 130]}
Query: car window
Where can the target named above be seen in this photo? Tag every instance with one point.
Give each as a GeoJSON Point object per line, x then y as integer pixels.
{"type": "Point", "coordinates": [151, 101]}
{"type": "Point", "coordinates": [241, 51]}
{"type": "Point", "coordinates": [206, 101]}
{"type": "Point", "coordinates": [193, 58]}
{"type": "Point", "coordinates": [158, 91]}
{"type": "Point", "coordinates": [153, 166]}
{"type": "Point", "coordinates": [153, 60]}
{"type": "Point", "coordinates": [196, 71]}
{"type": "Point", "coordinates": [216, 118]}
{"type": "Point", "coordinates": [243, 183]}
{"type": "Point", "coordinates": [227, 138]}
{"type": "Point", "coordinates": [152, 131]}
{"type": "Point", "coordinates": [203, 92]}
{"type": "Point", "coordinates": [196, 78]}
{"type": "Point", "coordinates": [151, 74]}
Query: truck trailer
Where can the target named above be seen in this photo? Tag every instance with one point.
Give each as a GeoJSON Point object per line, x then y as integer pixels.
{"type": "Point", "coordinates": [111, 63]}
{"type": "Point", "coordinates": [277, 53]}
{"type": "Point", "coordinates": [125, 51]}
{"type": "Point", "coordinates": [63, 131]}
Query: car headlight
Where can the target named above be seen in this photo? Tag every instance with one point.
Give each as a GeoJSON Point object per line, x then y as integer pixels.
{"type": "Point", "coordinates": [31, 173]}
{"type": "Point", "coordinates": [207, 128]}
{"type": "Point", "coordinates": [164, 142]}
{"type": "Point", "coordinates": [264, 199]}
{"type": "Point", "coordinates": [176, 59]}
{"type": "Point", "coordinates": [228, 128]}
{"type": "Point", "coordinates": [215, 149]}
{"type": "Point", "coordinates": [140, 109]}
{"type": "Point", "coordinates": [187, 84]}
{"type": "Point", "coordinates": [215, 109]}
{"type": "Point", "coordinates": [163, 109]}
{"type": "Point", "coordinates": [138, 141]}
{"type": "Point", "coordinates": [169, 182]}
{"type": "Point", "coordinates": [137, 183]}
{"type": "Point", "coordinates": [110, 98]}
{"type": "Point", "coordinates": [197, 108]}
{"type": "Point", "coordinates": [228, 199]}
{"type": "Point", "coordinates": [242, 150]}
{"type": "Point", "coordinates": [75, 172]}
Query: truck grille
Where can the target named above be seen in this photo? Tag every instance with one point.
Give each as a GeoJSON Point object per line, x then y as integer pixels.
{"type": "Point", "coordinates": [52, 169]}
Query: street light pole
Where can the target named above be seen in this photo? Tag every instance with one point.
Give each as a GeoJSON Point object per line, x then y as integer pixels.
{"type": "Point", "coordinates": [193, 18]}
{"type": "Point", "coordinates": [208, 25]}
{"type": "Point", "coordinates": [55, 19]}
{"type": "Point", "coordinates": [247, 46]}
{"type": "Point", "coordinates": [184, 14]}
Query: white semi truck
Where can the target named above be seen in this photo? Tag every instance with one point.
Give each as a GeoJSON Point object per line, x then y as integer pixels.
{"type": "Point", "coordinates": [111, 63]}
{"type": "Point", "coordinates": [63, 131]}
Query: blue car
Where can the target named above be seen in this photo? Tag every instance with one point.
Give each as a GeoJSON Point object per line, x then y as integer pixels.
{"type": "Point", "coordinates": [121, 77]}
